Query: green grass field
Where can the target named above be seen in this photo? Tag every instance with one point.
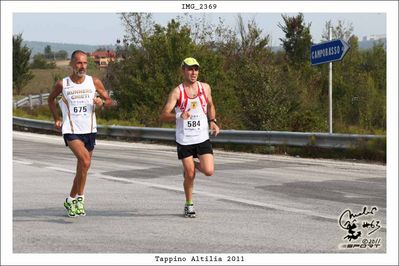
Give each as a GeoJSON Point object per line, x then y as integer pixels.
{"type": "Point", "coordinates": [44, 79]}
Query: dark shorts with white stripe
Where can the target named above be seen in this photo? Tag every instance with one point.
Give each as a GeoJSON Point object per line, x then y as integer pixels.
{"type": "Point", "coordinates": [184, 151]}
{"type": "Point", "coordinates": [88, 139]}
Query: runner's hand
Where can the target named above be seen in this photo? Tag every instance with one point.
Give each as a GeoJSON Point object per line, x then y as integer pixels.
{"type": "Point", "coordinates": [214, 129]}
{"type": "Point", "coordinates": [58, 125]}
{"type": "Point", "coordinates": [108, 102]}
{"type": "Point", "coordinates": [98, 101]}
{"type": "Point", "coordinates": [185, 115]}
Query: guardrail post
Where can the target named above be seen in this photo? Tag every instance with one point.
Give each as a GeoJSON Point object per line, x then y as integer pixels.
{"type": "Point", "coordinates": [41, 98]}
{"type": "Point", "coordinates": [30, 101]}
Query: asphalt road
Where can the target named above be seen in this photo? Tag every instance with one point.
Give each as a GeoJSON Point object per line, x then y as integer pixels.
{"type": "Point", "coordinates": [134, 201]}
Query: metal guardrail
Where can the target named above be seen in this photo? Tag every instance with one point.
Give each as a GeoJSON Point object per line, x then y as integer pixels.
{"type": "Point", "coordinates": [32, 100]}
{"type": "Point", "coordinates": [301, 139]}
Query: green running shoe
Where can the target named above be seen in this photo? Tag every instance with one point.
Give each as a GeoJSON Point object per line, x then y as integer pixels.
{"type": "Point", "coordinates": [71, 208]}
{"type": "Point", "coordinates": [80, 209]}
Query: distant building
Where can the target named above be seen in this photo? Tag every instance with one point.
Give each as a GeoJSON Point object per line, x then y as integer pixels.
{"type": "Point", "coordinates": [370, 41]}
{"type": "Point", "coordinates": [103, 58]}
{"type": "Point", "coordinates": [374, 37]}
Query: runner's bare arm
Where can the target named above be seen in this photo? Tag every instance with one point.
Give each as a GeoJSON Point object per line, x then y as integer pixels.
{"type": "Point", "coordinates": [167, 114]}
{"type": "Point", "coordinates": [103, 94]}
{"type": "Point", "coordinates": [211, 111]}
{"type": "Point", "coordinates": [57, 90]}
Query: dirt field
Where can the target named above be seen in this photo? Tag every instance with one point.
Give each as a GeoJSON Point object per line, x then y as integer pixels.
{"type": "Point", "coordinates": [44, 79]}
{"type": "Point", "coordinates": [62, 63]}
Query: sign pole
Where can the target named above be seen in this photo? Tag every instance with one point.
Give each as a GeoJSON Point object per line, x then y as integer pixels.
{"type": "Point", "coordinates": [327, 52]}
{"type": "Point", "coordinates": [330, 86]}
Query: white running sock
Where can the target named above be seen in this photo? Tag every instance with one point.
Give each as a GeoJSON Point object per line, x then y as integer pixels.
{"type": "Point", "coordinates": [82, 196]}
{"type": "Point", "coordinates": [70, 199]}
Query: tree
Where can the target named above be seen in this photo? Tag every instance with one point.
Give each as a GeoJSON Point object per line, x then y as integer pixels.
{"type": "Point", "coordinates": [300, 80]}
{"type": "Point", "coordinates": [138, 26]}
{"type": "Point", "coordinates": [150, 70]}
{"type": "Point", "coordinates": [40, 62]}
{"type": "Point", "coordinates": [48, 53]}
{"type": "Point", "coordinates": [264, 104]}
{"type": "Point", "coordinates": [61, 55]}
{"type": "Point", "coordinates": [203, 32]}
{"type": "Point", "coordinates": [297, 41]}
{"type": "Point", "coordinates": [343, 31]}
{"type": "Point", "coordinates": [251, 41]}
{"type": "Point", "coordinates": [21, 73]}
{"type": "Point", "coordinates": [91, 65]}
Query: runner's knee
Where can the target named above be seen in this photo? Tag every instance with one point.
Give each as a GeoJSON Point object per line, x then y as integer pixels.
{"type": "Point", "coordinates": [208, 172]}
{"type": "Point", "coordinates": [85, 163]}
{"type": "Point", "coordinates": [190, 175]}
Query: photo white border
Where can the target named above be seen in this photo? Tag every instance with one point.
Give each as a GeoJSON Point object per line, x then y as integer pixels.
{"type": "Point", "coordinates": [388, 7]}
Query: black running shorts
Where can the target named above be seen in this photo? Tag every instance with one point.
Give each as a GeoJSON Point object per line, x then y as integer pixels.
{"type": "Point", "coordinates": [184, 151]}
{"type": "Point", "coordinates": [88, 139]}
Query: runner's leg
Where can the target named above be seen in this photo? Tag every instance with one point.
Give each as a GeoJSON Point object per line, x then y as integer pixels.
{"type": "Point", "coordinates": [83, 165]}
{"type": "Point", "coordinates": [189, 175]}
{"type": "Point", "coordinates": [206, 164]}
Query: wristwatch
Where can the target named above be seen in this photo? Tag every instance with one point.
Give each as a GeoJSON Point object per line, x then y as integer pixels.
{"type": "Point", "coordinates": [213, 120]}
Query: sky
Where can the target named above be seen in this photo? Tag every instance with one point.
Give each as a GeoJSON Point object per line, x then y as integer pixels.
{"type": "Point", "coordinates": [106, 28]}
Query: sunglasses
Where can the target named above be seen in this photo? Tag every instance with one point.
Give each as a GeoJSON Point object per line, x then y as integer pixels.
{"type": "Point", "coordinates": [195, 68]}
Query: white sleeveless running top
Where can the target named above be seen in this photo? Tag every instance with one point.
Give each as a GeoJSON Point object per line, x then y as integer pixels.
{"type": "Point", "coordinates": [195, 129]}
{"type": "Point", "coordinates": [77, 106]}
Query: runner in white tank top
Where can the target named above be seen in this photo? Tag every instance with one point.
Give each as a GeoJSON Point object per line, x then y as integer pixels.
{"type": "Point", "coordinates": [194, 108]}
{"type": "Point", "coordinates": [77, 106]}
{"type": "Point", "coordinates": [193, 130]}
{"type": "Point", "coordinates": [79, 122]}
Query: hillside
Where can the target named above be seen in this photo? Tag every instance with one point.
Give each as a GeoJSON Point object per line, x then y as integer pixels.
{"type": "Point", "coordinates": [38, 47]}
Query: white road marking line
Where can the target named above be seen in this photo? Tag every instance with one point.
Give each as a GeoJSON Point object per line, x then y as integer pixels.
{"type": "Point", "coordinates": [209, 194]}
{"type": "Point", "coordinates": [27, 135]}
{"type": "Point", "coordinates": [221, 196]}
{"type": "Point", "coordinates": [60, 169]}
{"type": "Point", "coordinates": [330, 163]}
{"type": "Point", "coordinates": [22, 162]}
{"type": "Point", "coordinates": [218, 196]}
